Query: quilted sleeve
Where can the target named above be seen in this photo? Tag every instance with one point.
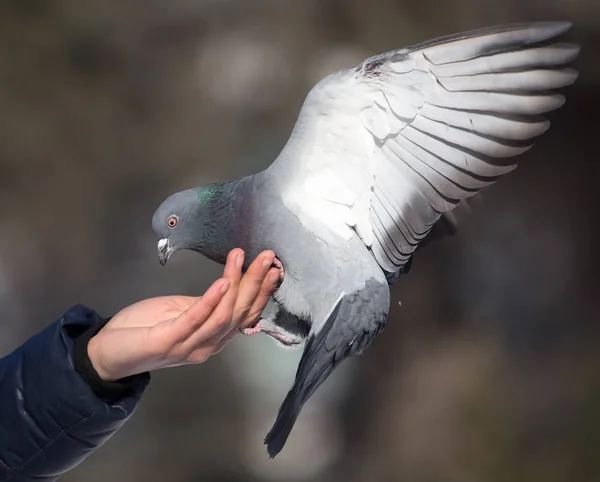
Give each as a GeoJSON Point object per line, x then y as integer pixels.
{"type": "Point", "coordinates": [50, 417]}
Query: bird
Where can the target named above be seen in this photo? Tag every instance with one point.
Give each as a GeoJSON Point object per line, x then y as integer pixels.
{"type": "Point", "coordinates": [382, 157]}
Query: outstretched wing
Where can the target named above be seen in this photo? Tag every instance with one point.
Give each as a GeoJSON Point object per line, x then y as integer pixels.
{"type": "Point", "coordinates": [384, 149]}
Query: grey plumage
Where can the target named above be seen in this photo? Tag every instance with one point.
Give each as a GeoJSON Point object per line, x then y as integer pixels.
{"type": "Point", "coordinates": [381, 159]}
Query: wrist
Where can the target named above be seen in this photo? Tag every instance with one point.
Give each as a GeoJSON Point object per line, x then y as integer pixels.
{"type": "Point", "coordinates": [88, 361]}
{"type": "Point", "coordinates": [95, 357]}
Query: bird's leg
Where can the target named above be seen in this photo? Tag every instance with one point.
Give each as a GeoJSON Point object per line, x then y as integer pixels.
{"type": "Point", "coordinates": [269, 314]}
{"type": "Point", "coordinates": [277, 323]}
{"type": "Point", "coordinates": [286, 329]}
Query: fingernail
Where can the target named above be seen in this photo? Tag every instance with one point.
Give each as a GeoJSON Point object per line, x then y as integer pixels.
{"type": "Point", "coordinates": [268, 261]}
{"type": "Point", "coordinates": [240, 260]}
{"type": "Point", "coordinates": [225, 286]}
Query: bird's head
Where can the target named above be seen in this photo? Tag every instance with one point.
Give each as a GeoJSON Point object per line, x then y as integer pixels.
{"type": "Point", "coordinates": [177, 223]}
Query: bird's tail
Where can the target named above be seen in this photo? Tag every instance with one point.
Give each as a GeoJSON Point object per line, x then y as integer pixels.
{"type": "Point", "coordinates": [312, 371]}
{"type": "Point", "coordinates": [349, 329]}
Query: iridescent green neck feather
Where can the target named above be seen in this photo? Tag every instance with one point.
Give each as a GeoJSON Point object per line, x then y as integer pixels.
{"type": "Point", "coordinates": [219, 218]}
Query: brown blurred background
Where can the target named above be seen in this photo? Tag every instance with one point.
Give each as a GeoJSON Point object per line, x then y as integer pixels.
{"type": "Point", "coordinates": [489, 370]}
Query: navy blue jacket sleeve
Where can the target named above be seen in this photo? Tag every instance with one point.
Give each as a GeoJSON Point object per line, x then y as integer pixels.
{"type": "Point", "coordinates": [50, 418]}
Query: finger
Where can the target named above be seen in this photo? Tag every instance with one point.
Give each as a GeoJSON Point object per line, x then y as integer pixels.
{"type": "Point", "coordinates": [233, 271]}
{"type": "Point", "coordinates": [186, 324]}
{"type": "Point", "coordinates": [251, 284]}
{"type": "Point", "coordinates": [233, 266]}
{"type": "Point", "coordinates": [219, 340]}
{"type": "Point", "coordinates": [219, 322]}
{"type": "Point", "coordinates": [268, 286]}
{"type": "Point", "coordinates": [267, 289]}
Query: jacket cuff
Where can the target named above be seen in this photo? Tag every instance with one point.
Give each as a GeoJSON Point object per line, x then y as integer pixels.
{"type": "Point", "coordinates": [107, 391]}
{"type": "Point", "coordinates": [50, 418]}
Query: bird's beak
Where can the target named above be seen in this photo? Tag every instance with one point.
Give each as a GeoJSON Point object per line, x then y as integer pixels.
{"type": "Point", "coordinates": [164, 251]}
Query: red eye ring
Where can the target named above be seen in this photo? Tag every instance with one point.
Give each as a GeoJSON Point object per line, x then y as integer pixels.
{"type": "Point", "coordinates": [172, 221]}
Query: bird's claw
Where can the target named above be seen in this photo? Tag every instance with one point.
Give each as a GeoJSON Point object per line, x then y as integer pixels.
{"type": "Point", "coordinates": [279, 265]}
{"type": "Point", "coordinates": [254, 330]}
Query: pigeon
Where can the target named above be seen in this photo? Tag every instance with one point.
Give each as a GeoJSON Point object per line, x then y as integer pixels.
{"type": "Point", "coordinates": [381, 157]}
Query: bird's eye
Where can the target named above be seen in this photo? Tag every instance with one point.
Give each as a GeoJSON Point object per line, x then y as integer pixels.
{"type": "Point", "coordinates": [172, 221]}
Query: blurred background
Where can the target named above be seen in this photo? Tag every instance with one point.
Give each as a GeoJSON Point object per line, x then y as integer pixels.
{"type": "Point", "coordinates": [489, 371]}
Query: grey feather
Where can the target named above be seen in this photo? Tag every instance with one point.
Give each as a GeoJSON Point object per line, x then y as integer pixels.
{"type": "Point", "coordinates": [350, 328]}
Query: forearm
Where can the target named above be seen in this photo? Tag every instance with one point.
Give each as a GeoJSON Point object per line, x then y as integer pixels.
{"type": "Point", "coordinates": [51, 418]}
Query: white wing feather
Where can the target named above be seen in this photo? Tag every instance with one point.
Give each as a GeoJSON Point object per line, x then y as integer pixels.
{"type": "Point", "coordinates": [382, 150]}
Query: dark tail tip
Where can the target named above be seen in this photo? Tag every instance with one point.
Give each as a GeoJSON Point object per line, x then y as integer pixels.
{"type": "Point", "coordinates": [273, 450]}
{"type": "Point", "coordinates": [315, 366]}
{"type": "Point", "coordinates": [286, 418]}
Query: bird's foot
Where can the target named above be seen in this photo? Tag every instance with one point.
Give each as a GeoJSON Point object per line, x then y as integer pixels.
{"type": "Point", "coordinates": [279, 265]}
{"type": "Point", "coordinates": [269, 328]}
{"type": "Point", "coordinates": [254, 330]}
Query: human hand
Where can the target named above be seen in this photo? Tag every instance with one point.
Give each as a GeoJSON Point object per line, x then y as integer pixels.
{"type": "Point", "coordinates": [169, 331]}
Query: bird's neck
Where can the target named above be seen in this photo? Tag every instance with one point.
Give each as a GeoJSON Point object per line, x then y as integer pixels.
{"type": "Point", "coordinates": [225, 211]}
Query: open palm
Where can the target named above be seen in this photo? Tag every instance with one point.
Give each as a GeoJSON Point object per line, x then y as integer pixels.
{"type": "Point", "coordinates": [176, 330]}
